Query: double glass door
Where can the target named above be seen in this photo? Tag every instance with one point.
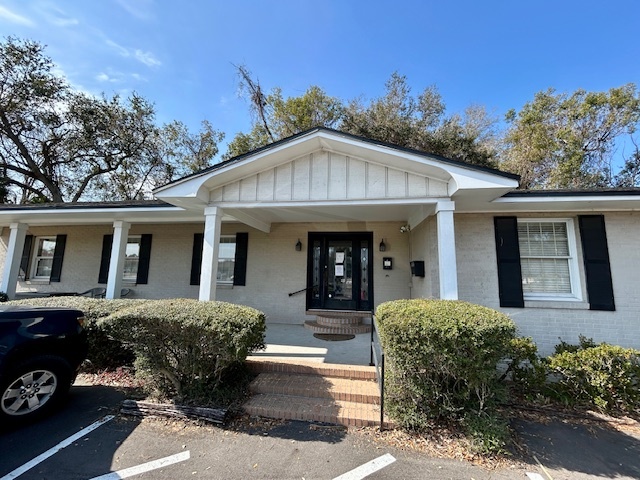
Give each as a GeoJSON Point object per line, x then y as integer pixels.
{"type": "Point", "coordinates": [339, 273]}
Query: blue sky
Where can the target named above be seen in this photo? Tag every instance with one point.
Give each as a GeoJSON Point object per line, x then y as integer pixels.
{"type": "Point", "coordinates": [179, 54]}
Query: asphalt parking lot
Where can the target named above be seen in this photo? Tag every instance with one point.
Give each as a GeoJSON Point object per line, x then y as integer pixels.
{"type": "Point", "coordinates": [174, 449]}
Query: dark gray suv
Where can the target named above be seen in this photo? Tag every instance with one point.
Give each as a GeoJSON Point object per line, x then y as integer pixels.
{"type": "Point", "coordinates": [41, 350]}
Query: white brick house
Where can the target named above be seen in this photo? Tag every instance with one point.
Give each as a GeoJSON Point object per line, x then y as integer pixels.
{"type": "Point", "coordinates": [347, 223]}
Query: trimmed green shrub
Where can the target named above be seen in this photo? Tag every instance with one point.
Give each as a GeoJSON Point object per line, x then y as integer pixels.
{"type": "Point", "coordinates": [604, 376]}
{"type": "Point", "coordinates": [525, 370]}
{"type": "Point", "coordinates": [442, 359]}
{"type": "Point", "coordinates": [105, 352]}
{"type": "Point", "coordinates": [184, 347]}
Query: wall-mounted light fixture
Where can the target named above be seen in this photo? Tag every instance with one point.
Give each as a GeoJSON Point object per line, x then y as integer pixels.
{"type": "Point", "coordinates": [383, 247]}
{"type": "Point", "coordinates": [299, 246]}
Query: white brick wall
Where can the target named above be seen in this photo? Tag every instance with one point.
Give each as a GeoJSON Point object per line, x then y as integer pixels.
{"type": "Point", "coordinates": [274, 269]}
{"type": "Point", "coordinates": [478, 283]}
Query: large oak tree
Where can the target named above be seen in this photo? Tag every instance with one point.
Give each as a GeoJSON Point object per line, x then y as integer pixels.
{"type": "Point", "coordinates": [58, 144]}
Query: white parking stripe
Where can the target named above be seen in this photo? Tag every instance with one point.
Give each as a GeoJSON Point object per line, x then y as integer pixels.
{"type": "Point", "coordinates": [535, 476]}
{"type": "Point", "coordinates": [65, 443]}
{"type": "Point", "coordinates": [145, 467]}
{"type": "Point", "coordinates": [368, 468]}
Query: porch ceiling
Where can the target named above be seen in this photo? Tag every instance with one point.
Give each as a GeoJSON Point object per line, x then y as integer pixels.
{"type": "Point", "coordinates": [331, 213]}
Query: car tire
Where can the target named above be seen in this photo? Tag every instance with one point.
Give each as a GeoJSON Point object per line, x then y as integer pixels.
{"type": "Point", "coordinates": [34, 388]}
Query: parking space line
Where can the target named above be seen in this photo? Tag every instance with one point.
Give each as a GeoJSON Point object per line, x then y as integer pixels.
{"type": "Point", "coordinates": [145, 467]}
{"type": "Point", "coordinates": [52, 451]}
{"type": "Point", "coordinates": [368, 468]}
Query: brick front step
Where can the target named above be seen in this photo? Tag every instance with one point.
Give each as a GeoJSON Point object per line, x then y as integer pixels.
{"type": "Point", "coordinates": [357, 372]}
{"type": "Point", "coordinates": [316, 392]}
{"type": "Point", "coordinates": [314, 409]}
{"type": "Point", "coordinates": [348, 390]}
{"type": "Point", "coordinates": [315, 327]}
{"type": "Point", "coordinates": [329, 321]}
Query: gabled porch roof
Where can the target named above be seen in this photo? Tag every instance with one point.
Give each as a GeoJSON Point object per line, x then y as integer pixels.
{"type": "Point", "coordinates": [305, 177]}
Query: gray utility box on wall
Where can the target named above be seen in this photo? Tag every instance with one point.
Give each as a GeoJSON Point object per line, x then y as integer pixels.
{"type": "Point", "coordinates": [417, 268]}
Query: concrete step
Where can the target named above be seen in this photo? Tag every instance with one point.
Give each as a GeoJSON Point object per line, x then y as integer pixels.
{"type": "Point", "coordinates": [357, 372]}
{"type": "Point", "coordinates": [348, 390]}
{"type": "Point", "coordinates": [337, 329]}
{"type": "Point", "coordinates": [314, 409]}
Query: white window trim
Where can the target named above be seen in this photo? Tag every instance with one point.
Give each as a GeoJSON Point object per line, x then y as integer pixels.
{"type": "Point", "coordinates": [222, 283]}
{"type": "Point", "coordinates": [574, 269]}
{"type": "Point", "coordinates": [34, 259]}
{"type": "Point", "coordinates": [132, 281]}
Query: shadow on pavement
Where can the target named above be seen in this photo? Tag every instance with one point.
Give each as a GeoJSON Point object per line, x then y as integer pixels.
{"type": "Point", "coordinates": [591, 448]}
{"type": "Point", "coordinates": [89, 456]}
{"type": "Point", "coordinates": [300, 431]}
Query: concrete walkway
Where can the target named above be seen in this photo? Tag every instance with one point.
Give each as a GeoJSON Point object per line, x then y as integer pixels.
{"type": "Point", "coordinates": [294, 342]}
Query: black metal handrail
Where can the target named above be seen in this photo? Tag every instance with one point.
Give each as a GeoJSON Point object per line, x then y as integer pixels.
{"type": "Point", "coordinates": [377, 350]}
{"type": "Point", "coordinates": [303, 290]}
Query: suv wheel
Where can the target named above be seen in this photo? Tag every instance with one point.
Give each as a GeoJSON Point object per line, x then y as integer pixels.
{"type": "Point", "coordinates": [34, 387]}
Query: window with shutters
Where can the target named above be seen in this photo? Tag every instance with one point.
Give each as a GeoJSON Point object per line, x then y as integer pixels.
{"type": "Point", "coordinates": [43, 258]}
{"type": "Point", "coordinates": [226, 259]}
{"type": "Point", "coordinates": [548, 259]}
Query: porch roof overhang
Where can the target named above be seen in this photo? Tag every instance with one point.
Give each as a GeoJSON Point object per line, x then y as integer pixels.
{"type": "Point", "coordinates": [96, 213]}
{"type": "Point", "coordinates": [465, 184]}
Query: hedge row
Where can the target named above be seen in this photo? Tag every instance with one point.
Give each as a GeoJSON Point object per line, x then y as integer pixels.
{"type": "Point", "coordinates": [182, 347]}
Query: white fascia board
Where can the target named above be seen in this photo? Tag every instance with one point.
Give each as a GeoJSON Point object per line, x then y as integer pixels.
{"type": "Point", "coordinates": [569, 203]}
{"type": "Point", "coordinates": [93, 216]}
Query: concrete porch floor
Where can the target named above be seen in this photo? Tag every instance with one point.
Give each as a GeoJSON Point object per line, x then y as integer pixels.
{"type": "Point", "coordinates": [295, 342]}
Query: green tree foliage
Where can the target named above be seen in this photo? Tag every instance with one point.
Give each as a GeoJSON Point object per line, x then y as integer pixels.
{"type": "Point", "coordinates": [629, 175]}
{"type": "Point", "coordinates": [567, 141]}
{"type": "Point", "coordinates": [275, 117]}
{"type": "Point", "coordinates": [397, 118]}
{"type": "Point", "coordinates": [57, 144]}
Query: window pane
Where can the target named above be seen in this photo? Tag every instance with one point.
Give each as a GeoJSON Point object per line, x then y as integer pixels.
{"type": "Point", "coordinates": [131, 259]}
{"type": "Point", "coordinates": [43, 257]}
{"type": "Point", "coordinates": [545, 257]}
{"type": "Point", "coordinates": [543, 239]}
{"type": "Point", "coordinates": [46, 247]}
{"type": "Point", "coordinates": [545, 275]}
{"type": "Point", "coordinates": [226, 259]}
{"type": "Point", "coordinates": [43, 268]}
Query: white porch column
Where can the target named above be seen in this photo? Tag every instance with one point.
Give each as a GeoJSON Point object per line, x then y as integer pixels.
{"type": "Point", "coordinates": [116, 262]}
{"type": "Point", "coordinates": [447, 251]}
{"type": "Point", "coordinates": [13, 258]}
{"type": "Point", "coordinates": [210, 248]}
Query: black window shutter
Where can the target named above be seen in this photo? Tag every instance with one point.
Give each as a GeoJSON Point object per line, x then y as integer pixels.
{"type": "Point", "coordinates": [58, 256]}
{"type": "Point", "coordinates": [240, 266]}
{"type": "Point", "coordinates": [196, 258]}
{"type": "Point", "coordinates": [596, 262]}
{"type": "Point", "coordinates": [105, 258]}
{"type": "Point", "coordinates": [508, 254]}
{"type": "Point", "coordinates": [26, 256]}
{"type": "Point", "coordinates": [143, 263]}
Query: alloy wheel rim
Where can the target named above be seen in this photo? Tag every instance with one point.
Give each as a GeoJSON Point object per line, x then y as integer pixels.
{"type": "Point", "coordinates": [29, 392]}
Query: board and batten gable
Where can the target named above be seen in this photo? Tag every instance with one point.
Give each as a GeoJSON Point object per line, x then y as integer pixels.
{"type": "Point", "coordinates": [329, 176]}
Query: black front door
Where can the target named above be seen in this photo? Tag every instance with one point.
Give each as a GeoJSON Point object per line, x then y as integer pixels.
{"type": "Point", "coordinates": [339, 274]}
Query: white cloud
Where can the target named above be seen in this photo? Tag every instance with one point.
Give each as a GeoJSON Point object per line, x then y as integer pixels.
{"type": "Point", "coordinates": [13, 17]}
{"type": "Point", "coordinates": [56, 16]}
{"type": "Point", "coordinates": [103, 77]}
{"type": "Point", "coordinates": [147, 58]}
{"type": "Point", "coordinates": [120, 49]}
{"type": "Point", "coordinates": [142, 9]}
